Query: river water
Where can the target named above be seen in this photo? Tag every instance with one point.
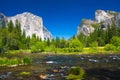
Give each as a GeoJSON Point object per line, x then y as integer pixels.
{"type": "Point", "coordinates": [56, 67]}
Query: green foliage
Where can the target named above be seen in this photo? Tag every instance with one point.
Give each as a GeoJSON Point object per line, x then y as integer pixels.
{"type": "Point", "coordinates": [10, 26]}
{"type": "Point", "coordinates": [110, 47]}
{"type": "Point", "coordinates": [24, 73]}
{"type": "Point", "coordinates": [38, 47]}
{"type": "Point", "coordinates": [76, 73]}
{"type": "Point", "coordinates": [26, 60]}
{"type": "Point", "coordinates": [96, 25]}
{"type": "Point", "coordinates": [118, 48]}
{"type": "Point", "coordinates": [115, 41]}
{"type": "Point", "coordinates": [12, 38]}
{"type": "Point", "coordinates": [94, 46]}
{"type": "Point", "coordinates": [62, 43]}
{"type": "Point", "coordinates": [101, 36]}
{"type": "Point", "coordinates": [15, 61]}
{"type": "Point", "coordinates": [75, 45]}
{"type": "Point", "coordinates": [52, 48]}
{"type": "Point", "coordinates": [57, 42]}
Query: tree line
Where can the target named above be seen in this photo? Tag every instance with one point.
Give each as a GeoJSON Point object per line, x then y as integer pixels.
{"type": "Point", "coordinates": [102, 35]}
{"type": "Point", "coordinates": [13, 38]}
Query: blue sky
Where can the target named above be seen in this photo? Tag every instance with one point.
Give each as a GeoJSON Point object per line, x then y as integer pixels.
{"type": "Point", "coordinates": [61, 17]}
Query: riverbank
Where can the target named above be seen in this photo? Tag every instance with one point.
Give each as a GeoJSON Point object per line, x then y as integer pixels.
{"type": "Point", "coordinates": [56, 66]}
{"type": "Point", "coordinates": [65, 51]}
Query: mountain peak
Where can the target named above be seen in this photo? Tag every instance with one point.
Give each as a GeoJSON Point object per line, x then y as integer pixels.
{"type": "Point", "coordinates": [31, 24]}
{"type": "Point", "coordinates": [101, 16]}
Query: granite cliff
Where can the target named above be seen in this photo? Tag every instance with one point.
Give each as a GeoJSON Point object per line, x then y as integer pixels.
{"type": "Point", "coordinates": [30, 23]}
{"type": "Point", "coordinates": [101, 17]}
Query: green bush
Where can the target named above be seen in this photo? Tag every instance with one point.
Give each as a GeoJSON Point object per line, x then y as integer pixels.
{"type": "Point", "coordinates": [13, 61]}
{"type": "Point", "coordinates": [93, 46]}
{"type": "Point", "coordinates": [118, 48]}
{"type": "Point", "coordinates": [27, 60]}
{"type": "Point", "coordinates": [3, 61]}
{"type": "Point", "coordinates": [110, 47]}
{"type": "Point", "coordinates": [76, 73]}
{"type": "Point", "coordinates": [34, 49]}
{"type": "Point", "coordinates": [75, 45]}
{"type": "Point", "coordinates": [115, 41]}
{"type": "Point", "coordinates": [38, 47]}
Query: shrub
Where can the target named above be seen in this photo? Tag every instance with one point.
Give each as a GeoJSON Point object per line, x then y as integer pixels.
{"type": "Point", "coordinates": [12, 61]}
{"type": "Point", "coordinates": [15, 61]}
{"type": "Point", "coordinates": [118, 48]}
{"type": "Point", "coordinates": [75, 45]}
{"type": "Point", "coordinates": [38, 47]}
{"type": "Point", "coordinates": [34, 49]}
{"type": "Point", "coordinates": [27, 60]}
{"type": "Point", "coordinates": [76, 73]}
{"type": "Point", "coordinates": [94, 46]}
{"type": "Point", "coordinates": [3, 61]}
{"type": "Point", "coordinates": [115, 41]}
{"type": "Point", "coordinates": [110, 47]}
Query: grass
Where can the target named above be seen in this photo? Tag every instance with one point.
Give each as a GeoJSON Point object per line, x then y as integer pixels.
{"type": "Point", "coordinates": [4, 61]}
{"type": "Point", "coordinates": [24, 73]}
{"type": "Point", "coordinates": [19, 51]}
{"type": "Point", "coordinates": [76, 73]}
{"type": "Point", "coordinates": [86, 50]}
{"type": "Point", "coordinates": [96, 50]}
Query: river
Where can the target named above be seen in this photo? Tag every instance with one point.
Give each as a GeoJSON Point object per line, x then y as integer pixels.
{"type": "Point", "coordinates": [56, 67]}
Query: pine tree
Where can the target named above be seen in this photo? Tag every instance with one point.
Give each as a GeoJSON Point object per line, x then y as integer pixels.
{"type": "Point", "coordinates": [3, 25]}
{"type": "Point", "coordinates": [62, 43]}
{"type": "Point", "coordinates": [57, 42]}
{"type": "Point", "coordinates": [10, 26]}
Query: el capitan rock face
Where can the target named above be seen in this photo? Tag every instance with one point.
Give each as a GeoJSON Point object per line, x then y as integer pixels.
{"type": "Point", "coordinates": [30, 23]}
{"type": "Point", "coordinates": [101, 16]}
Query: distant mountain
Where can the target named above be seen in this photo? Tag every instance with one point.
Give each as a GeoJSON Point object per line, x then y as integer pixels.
{"type": "Point", "coordinates": [87, 26]}
{"type": "Point", "coordinates": [30, 23]}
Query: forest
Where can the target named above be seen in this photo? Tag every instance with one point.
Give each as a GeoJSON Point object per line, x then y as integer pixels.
{"type": "Point", "coordinates": [12, 38]}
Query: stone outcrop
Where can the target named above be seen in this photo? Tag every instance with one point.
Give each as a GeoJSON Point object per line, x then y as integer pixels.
{"type": "Point", "coordinates": [86, 27]}
{"type": "Point", "coordinates": [101, 17]}
{"type": "Point", "coordinates": [30, 23]}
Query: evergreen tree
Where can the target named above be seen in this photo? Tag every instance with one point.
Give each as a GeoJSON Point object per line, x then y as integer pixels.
{"type": "Point", "coordinates": [3, 25]}
{"type": "Point", "coordinates": [10, 26]}
{"type": "Point", "coordinates": [62, 43]}
{"type": "Point", "coordinates": [23, 41]}
{"type": "Point", "coordinates": [101, 37]}
{"type": "Point", "coordinates": [48, 42]}
{"type": "Point", "coordinates": [57, 42]}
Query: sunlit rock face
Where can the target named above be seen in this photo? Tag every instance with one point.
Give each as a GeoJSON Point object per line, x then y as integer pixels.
{"type": "Point", "coordinates": [31, 24]}
{"type": "Point", "coordinates": [117, 19]}
{"type": "Point", "coordinates": [101, 17]}
{"type": "Point", "coordinates": [86, 27]}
